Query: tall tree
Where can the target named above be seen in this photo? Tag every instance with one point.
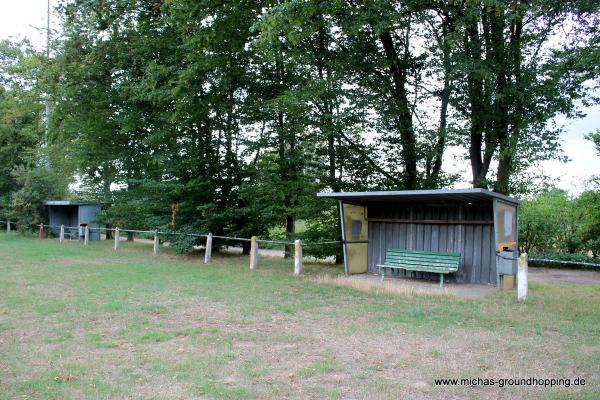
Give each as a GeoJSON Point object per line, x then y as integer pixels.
{"type": "Point", "coordinates": [522, 68]}
{"type": "Point", "coordinates": [21, 113]}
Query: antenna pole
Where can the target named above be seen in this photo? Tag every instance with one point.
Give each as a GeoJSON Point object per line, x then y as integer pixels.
{"type": "Point", "coordinates": [47, 105]}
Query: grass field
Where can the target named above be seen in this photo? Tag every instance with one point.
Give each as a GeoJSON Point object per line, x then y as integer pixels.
{"type": "Point", "coordinates": [89, 323]}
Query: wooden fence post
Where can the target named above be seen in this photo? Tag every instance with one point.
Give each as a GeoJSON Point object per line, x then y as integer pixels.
{"type": "Point", "coordinates": [156, 248]}
{"type": "Point", "coordinates": [253, 253]}
{"type": "Point", "coordinates": [41, 231]}
{"type": "Point", "coordinates": [208, 250]}
{"type": "Point", "coordinates": [117, 239]}
{"type": "Point", "coordinates": [7, 226]}
{"type": "Point", "coordinates": [86, 235]}
{"type": "Point", "coordinates": [297, 257]}
{"type": "Point", "coordinates": [522, 280]}
{"type": "Point", "coordinates": [61, 238]}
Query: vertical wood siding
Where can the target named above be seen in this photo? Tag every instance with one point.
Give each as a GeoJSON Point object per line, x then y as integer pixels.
{"type": "Point", "coordinates": [475, 243]}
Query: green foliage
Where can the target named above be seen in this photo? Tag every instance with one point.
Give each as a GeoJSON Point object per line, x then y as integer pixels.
{"type": "Point", "coordinates": [35, 186]}
{"type": "Point", "coordinates": [197, 116]}
{"type": "Point", "coordinates": [595, 138]}
{"type": "Point", "coordinates": [20, 111]}
{"type": "Point", "coordinates": [553, 223]}
{"type": "Point", "coordinates": [144, 206]}
{"type": "Point", "coordinates": [323, 227]}
{"type": "Point", "coordinates": [183, 244]}
{"type": "Point", "coordinates": [588, 205]}
{"type": "Point", "coordinates": [548, 222]}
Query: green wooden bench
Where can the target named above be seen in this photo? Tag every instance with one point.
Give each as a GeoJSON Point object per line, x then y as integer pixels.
{"type": "Point", "coordinates": [421, 261]}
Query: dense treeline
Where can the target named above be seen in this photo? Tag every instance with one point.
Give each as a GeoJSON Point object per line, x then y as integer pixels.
{"type": "Point", "coordinates": [229, 116]}
{"type": "Point", "coordinates": [556, 226]}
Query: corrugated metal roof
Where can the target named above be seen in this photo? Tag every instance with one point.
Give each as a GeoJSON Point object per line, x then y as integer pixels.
{"type": "Point", "coordinates": [434, 196]}
{"type": "Point", "coordinates": [70, 203]}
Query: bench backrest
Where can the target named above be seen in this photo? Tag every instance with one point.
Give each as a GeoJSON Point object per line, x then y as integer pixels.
{"type": "Point", "coordinates": [400, 257]}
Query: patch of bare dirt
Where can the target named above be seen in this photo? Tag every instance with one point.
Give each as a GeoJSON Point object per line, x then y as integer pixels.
{"type": "Point", "coordinates": [407, 286]}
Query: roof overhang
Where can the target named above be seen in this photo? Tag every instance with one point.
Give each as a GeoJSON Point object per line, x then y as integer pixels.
{"type": "Point", "coordinates": [69, 203]}
{"type": "Point", "coordinates": [419, 196]}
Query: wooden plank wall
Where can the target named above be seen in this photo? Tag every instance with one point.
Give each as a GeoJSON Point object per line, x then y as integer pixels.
{"type": "Point", "coordinates": [475, 242]}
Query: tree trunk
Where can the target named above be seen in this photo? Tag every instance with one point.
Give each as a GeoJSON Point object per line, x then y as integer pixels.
{"type": "Point", "coordinates": [290, 232]}
{"type": "Point", "coordinates": [476, 110]}
{"type": "Point", "coordinates": [508, 146]}
{"type": "Point", "coordinates": [438, 152]}
{"type": "Point", "coordinates": [245, 248]}
{"type": "Point", "coordinates": [106, 182]}
{"type": "Point", "coordinates": [326, 117]}
{"type": "Point", "coordinates": [500, 63]}
{"type": "Point", "coordinates": [397, 70]}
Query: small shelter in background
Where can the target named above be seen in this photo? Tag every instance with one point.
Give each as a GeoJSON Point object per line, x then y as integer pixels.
{"type": "Point", "coordinates": [479, 224]}
{"type": "Point", "coordinates": [74, 214]}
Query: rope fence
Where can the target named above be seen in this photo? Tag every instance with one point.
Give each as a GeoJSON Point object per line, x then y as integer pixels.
{"type": "Point", "coordinates": [83, 233]}
{"type": "Point", "coordinates": [84, 230]}
{"type": "Point", "coordinates": [565, 263]}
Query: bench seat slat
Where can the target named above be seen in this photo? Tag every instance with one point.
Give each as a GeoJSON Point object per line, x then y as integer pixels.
{"type": "Point", "coordinates": [419, 257]}
{"type": "Point", "coordinates": [437, 270]}
{"type": "Point", "coordinates": [422, 257]}
{"type": "Point", "coordinates": [418, 264]}
{"type": "Point", "coordinates": [415, 261]}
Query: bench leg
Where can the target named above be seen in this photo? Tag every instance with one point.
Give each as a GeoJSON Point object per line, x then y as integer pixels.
{"type": "Point", "coordinates": [382, 273]}
{"type": "Point", "coordinates": [441, 280]}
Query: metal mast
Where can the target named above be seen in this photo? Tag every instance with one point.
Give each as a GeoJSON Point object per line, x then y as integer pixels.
{"type": "Point", "coordinates": [47, 113]}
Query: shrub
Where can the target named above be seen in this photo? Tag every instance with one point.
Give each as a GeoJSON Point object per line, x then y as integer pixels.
{"type": "Point", "coordinates": [36, 185]}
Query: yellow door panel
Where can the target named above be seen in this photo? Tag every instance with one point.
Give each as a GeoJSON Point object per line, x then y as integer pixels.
{"type": "Point", "coordinates": [356, 228]}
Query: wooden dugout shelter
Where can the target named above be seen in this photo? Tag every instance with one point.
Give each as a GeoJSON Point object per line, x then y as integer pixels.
{"type": "Point", "coordinates": [479, 224]}
{"type": "Point", "coordinates": [78, 214]}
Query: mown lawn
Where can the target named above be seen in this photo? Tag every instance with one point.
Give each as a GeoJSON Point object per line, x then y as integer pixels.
{"type": "Point", "coordinates": [89, 323]}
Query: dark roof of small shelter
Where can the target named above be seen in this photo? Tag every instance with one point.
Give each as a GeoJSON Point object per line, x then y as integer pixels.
{"type": "Point", "coordinates": [418, 196]}
{"type": "Point", "coordinates": [70, 203]}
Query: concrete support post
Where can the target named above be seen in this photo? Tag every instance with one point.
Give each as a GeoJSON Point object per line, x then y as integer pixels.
{"type": "Point", "coordinates": [86, 236]}
{"type": "Point", "coordinates": [522, 280]}
{"type": "Point", "coordinates": [117, 239]}
{"type": "Point", "coordinates": [61, 238]}
{"type": "Point", "coordinates": [156, 248]}
{"type": "Point", "coordinates": [208, 251]}
{"type": "Point", "coordinates": [297, 257]}
{"type": "Point", "coordinates": [7, 226]}
{"type": "Point", "coordinates": [253, 253]}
